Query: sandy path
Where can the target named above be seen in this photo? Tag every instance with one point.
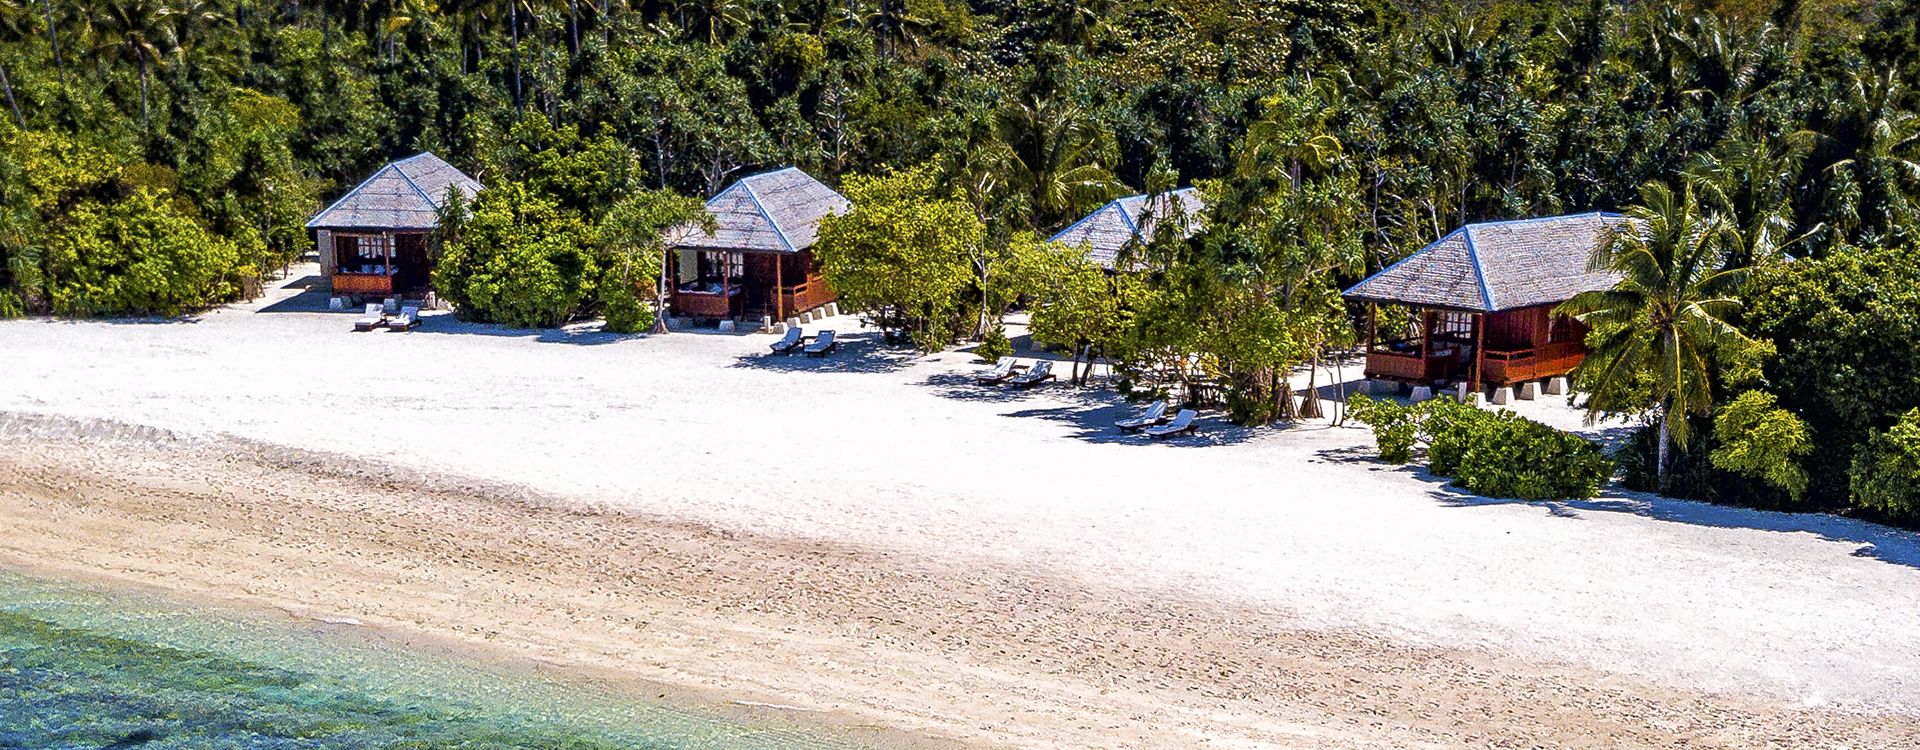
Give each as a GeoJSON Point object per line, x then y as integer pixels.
{"type": "Point", "coordinates": [976, 653]}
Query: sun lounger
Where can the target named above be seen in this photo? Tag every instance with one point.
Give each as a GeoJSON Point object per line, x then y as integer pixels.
{"type": "Point", "coordinates": [1042, 371]}
{"type": "Point", "coordinates": [822, 344]}
{"type": "Point", "coordinates": [1155, 414]}
{"type": "Point", "coordinates": [1182, 422]}
{"type": "Point", "coordinates": [1000, 372]}
{"type": "Point", "coordinates": [787, 344]}
{"type": "Point", "coordinates": [376, 316]}
{"type": "Point", "coordinates": [408, 320]}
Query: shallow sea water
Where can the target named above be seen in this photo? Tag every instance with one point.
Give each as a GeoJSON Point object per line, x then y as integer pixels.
{"type": "Point", "coordinates": [92, 665]}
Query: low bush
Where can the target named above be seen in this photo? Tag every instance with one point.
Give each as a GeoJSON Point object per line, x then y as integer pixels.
{"type": "Point", "coordinates": [994, 345]}
{"type": "Point", "coordinates": [139, 256]}
{"type": "Point", "coordinates": [624, 311]}
{"type": "Point", "coordinates": [1497, 454]}
{"type": "Point", "coordinates": [1886, 473]}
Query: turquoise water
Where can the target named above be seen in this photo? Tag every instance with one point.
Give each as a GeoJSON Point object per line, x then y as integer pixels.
{"type": "Point", "coordinates": [87, 665]}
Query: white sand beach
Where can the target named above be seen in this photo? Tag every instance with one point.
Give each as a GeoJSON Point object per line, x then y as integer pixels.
{"type": "Point", "coordinates": [1764, 623]}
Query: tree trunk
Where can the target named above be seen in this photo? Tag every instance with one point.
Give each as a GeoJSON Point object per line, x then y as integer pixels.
{"type": "Point", "coordinates": [662, 296]}
{"type": "Point", "coordinates": [10, 101]}
{"type": "Point", "coordinates": [573, 20]}
{"type": "Point", "coordinates": [1310, 403]}
{"type": "Point", "coordinates": [513, 20]}
{"type": "Point", "coordinates": [54, 36]}
{"type": "Point", "coordinates": [141, 56]}
{"type": "Point", "coordinates": [1666, 432]}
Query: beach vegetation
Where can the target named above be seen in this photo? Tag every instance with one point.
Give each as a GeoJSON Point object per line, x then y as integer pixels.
{"type": "Point", "coordinates": [1885, 475]}
{"type": "Point", "coordinates": [521, 260]}
{"type": "Point", "coordinates": [1656, 333]}
{"type": "Point", "coordinates": [994, 346]}
{"type": "Point", "coordinates": [1492, 453]}
{"type": "Point", "coordinates": [904, 255]}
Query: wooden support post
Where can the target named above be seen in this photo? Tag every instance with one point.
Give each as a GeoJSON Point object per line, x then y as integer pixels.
{"type": "Point", "coordinates": [1479, 351]}
{"type": "Point", "coordinates": [1426, 341]}
{"type": "Point", "coordinates": [779, 288]}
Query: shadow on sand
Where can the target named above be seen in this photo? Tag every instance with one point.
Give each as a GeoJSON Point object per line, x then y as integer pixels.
{"type": "Point", "coordinates": [1091, 412]}
{"type": "Point", "coordinates": [856, 352]}
{"type": "Point", "coordinates": [1883, 543]}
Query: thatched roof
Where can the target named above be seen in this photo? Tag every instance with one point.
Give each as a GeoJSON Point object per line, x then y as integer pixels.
{"type": "Point", "coordinates": [1499, 265]}
{"type": "Point", "coordinates": [772, 212]}
{"type": "Point", "coordinates": [403, 195]}
{"type": "Point", "coordinates": [1110, 228]}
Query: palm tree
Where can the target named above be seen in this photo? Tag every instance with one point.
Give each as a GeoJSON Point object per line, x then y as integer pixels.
{"type": "Point", "coordinates": [1874, 188]}
{"type": "Point", "coordinates": [1056, 155]}
{"type": "Point", "coordinates": [1656, 331]}
{"type": "Point", "coordinates": [135, 29]}
{"type": "Point", "coordinates": [13, 19]}
{"type": "Point", "coordinates": [1750, 181]}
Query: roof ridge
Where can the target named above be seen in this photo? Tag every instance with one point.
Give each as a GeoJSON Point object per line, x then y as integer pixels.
{"type": "Point", "coordinates": [410, 183]}
{"type": "Point", "coordinates": [1542, 218]}
{"type": "Point", "coordinates": [1132, 226]}
{"type": "Point", "coordinates": [757, 206]}
{"type": "Point", "coordinates": [1410, 256]}
{"type": "Point", "coordinates": [350, 193]}
{"type": "Point", "coordinates": [1479, 273]}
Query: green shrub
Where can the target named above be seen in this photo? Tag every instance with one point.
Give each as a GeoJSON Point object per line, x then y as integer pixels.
{"type": "Point", "coordinates": [1507, 455]}
{"type": "Point", "coordinates": [138, 255]}
{"type": "Point", "coordinates": [1761, 440]}
{"type": "Point", "coordinates": [994, 345]}
{"type": "Point", "coordinates": [1497, 454]}
{"type": "Point", "coordinates": [10, 305]}
{"type": "Point", "coordinates": [519, 260]}
{"type": "Point", "coordinates": [624, 311]}
{"type": "Point", "coordinates": [1886, 474]}
{"type": "Point", "coordinates": [1394, 426]}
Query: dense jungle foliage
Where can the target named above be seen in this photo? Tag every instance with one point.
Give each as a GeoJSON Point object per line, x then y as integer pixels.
{"type": "Point", "coordinates": [161, 155]}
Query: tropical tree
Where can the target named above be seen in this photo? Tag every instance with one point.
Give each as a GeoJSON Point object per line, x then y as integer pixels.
{"type": "Point", "coordinates": [1056, 155]}
{"type": "Point", "coordinates": [632, 236]}
{"type": "Point", "coordinates": [134, 29]}
{"type": "Point", "coordinates": [1656, 332]}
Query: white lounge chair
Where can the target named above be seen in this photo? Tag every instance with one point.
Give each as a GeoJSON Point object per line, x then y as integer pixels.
{"type": "Point", "coordinates": [1042, 371]}
{"type": "Point", "coordinates": [375, 317]}
{"type": "Point", "coordinates": [822, 344]}
{"type": "Point", "coordinates": [1156, 413]}
{"type": "Point", "coordinates": [1001, 371]}
{"type": "Point", "coordinates": [409, 319]}
{"type": "Point", "coordinates": [1182, 422]}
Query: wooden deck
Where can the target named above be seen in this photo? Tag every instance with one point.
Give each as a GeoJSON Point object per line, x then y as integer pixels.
{"type": "Point", "coordinates": [362, 283]}
{"type": "Point", "coordinates": [704, 304]}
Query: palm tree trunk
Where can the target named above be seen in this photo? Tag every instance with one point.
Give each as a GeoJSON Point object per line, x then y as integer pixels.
{"type": "Point", "coordinates": [141, 56]}
{"type": "Point", "coordinates": [10, 101]}
{"type": "Point", "coordinates": [53, 35]}
{"type": "Point", "coordinates": [1666, 433]}
{"type": "Point", "coordinates": [513, 20]}
{"type": "Point", "coordinates": [573, 20]}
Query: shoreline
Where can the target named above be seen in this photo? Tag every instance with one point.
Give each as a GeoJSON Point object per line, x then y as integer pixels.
{"type": "Point", "coordinates": [977, 655]}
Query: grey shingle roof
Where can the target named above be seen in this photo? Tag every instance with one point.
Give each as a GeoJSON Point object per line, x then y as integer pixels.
{"type": "Point", "coordinates": [1499, 265]}
{"type": "Point", "coordinates": [1105, 231]}
{"type": "Point", "coordinates": [403, 195]}
{"type": "Point", "coordinates": [771, 212]}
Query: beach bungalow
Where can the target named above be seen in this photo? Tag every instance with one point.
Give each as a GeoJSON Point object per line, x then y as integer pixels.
{"type": "Point", "coordinates": [373, 240]}
{"type": "Point", "coordinates": [759, 259]}
{"type": "Point", "coordinates": [1105, 231]}
{"type": "Point", "coordinates": [1482, 300]}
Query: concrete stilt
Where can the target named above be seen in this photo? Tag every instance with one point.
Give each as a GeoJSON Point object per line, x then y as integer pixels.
{"type": "Point", "coordinates": [1503, 395]}
{"type": "Point", "coordinates": [1529, 391]}
{"type": "Point", "coordinates": [1420, 393]}
{"type": "Point", "coordinates": [1557, 385]}
{"type": "Point", "coordinates": [726, 326]}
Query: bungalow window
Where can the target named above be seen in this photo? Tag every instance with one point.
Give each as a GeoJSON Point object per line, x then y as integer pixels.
{"type": "Point", "coordinates": [1560, 330]}
{"type": "Point", "coordinates": [364, 253]}
{"type": "Point", "coordinates": [1453, 325]}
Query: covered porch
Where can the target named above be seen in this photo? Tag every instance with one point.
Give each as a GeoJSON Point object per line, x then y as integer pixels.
{"type": "Point", "coordinates": [1482, 349]}
{"type": "Point", "coordinates": [378, 263]}
{"type": "Point", "coordinates": [723, 284]}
